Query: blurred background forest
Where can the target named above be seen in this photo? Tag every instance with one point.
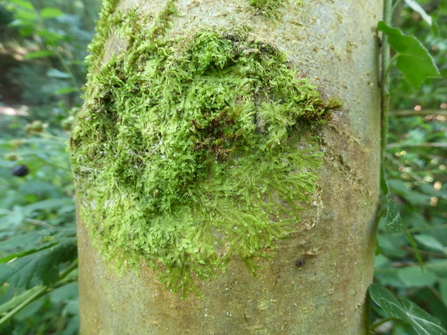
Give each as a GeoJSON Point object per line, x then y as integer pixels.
{"type": "Point", "coordinates": [43, 45]}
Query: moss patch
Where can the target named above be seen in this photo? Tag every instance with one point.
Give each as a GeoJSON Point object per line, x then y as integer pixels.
{"type": "Point", "coordinates": [189, 151]}
{"type": "Point", "coordinates": [268, 8]}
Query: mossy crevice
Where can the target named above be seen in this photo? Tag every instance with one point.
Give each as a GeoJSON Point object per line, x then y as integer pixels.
{"type": "Point", "coordinates": [190, 151]}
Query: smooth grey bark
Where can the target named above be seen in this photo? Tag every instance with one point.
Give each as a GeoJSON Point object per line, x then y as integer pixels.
{"type": "Point", "coordinates": [334, 44]}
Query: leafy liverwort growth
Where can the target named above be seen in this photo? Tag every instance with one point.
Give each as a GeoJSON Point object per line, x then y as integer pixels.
{"type": "Point", "coordinates": [189, 151]}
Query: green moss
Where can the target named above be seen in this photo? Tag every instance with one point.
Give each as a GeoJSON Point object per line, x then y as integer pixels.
{"type": "Point", "coordinates": [103, 27]}
{"type": "Point", "coordinates": [190, 151]}
{"type": "Point", "coordinates": [268, 8]}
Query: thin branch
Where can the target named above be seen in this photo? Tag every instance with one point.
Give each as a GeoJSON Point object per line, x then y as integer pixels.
{"type": "Point", "coordinates": [38, 223]}
{"type": "Point", "coordinates": [422, 112]}
{"type": "Point", "coordinates": [39, 292]}
{"type": "Point", "coordinates": [426, 144]}
{"type": "Point", "coordinates": [415, 176]}
{"type": "Point", "coordinates": [32, 221]}
{"type": "Point", "coordinates": [423, 252]}
{"type": "Point", "coordinates": [384, 80]}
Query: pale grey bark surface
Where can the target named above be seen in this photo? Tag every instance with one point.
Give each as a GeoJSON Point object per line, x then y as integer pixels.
{"type": "Point", "coordinates": [334, 44]}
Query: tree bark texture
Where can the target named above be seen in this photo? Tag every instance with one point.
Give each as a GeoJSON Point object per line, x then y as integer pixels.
{"type": "Point", "coordinates": [316, 282]}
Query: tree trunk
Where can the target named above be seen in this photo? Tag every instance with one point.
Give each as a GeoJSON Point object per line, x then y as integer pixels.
{"type": "Point", "coordinates": [315, 282]}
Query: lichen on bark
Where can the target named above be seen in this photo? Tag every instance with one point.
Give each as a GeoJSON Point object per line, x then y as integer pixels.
{"type": "Point", "coordinates": [192, 150]}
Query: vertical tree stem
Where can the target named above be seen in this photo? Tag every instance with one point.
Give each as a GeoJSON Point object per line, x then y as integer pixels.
{"type": "Point", "coordinates": [384, 89]}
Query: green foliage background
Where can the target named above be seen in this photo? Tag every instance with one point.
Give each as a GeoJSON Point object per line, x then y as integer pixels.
{"type": "Point", "coordinates": [415, 163]}
{"type": "Point", "coordinates": [42, 50]}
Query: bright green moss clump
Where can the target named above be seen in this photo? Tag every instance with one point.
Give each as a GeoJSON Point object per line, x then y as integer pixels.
{"type": "Point", "coordinates": [189, 151]}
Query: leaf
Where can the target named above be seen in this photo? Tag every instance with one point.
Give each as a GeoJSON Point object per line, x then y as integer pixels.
{"type": "Point", "coordinates": [49, 36]}
{"type": "Point", "coordinates": [413, 59]}
{"type": "Point", "coordinates": [39, 268]}
{"type": "Point", "coordinates": [27, 31]}
{"type": "Point", "coordinates": [417, 8]}
{"type": "Point", "coordinates": [66, 90]}
{"type": "Point", "coordinates": [27, 241]}
{"type": "Point", "coordinates": [33, 242]}
{"type": "Point", "coordinates": [22, 3]}
{"type": "Point", "coordinates": [406, 311]}
{"type": "Point", "coordinates": [50, 13]}
{"type": "Point", "coordinates": [25, 15]}
{"type": "Point", "coordinates": [39, 54]}
{"type": "Point", "coordinates": [55, 73]}
{"type": "Point", "coordinates": [438, 266]}
{"type": "Point", "coordinates": [13, 218]}
{"type": "Point", "coordinates": [388, 277]}
{"type": "Point", "coordinates": [18, 299]}
{"type": "Point", "coordinates": [413, 276]}
{"type": "Point", "coordinates": [414, 246]}
{"type": "Point", "coordinates": [393, 220]}
{"type": "Point", "coordinates": [430, 242]}
{"type": "Point", "coordinates": [443, 290]}
{"type": "Point", "coordinates": [46, 204]}
{"type": "Point", "coordinates": [22, 23]}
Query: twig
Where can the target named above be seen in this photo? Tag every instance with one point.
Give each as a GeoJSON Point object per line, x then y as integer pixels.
{"type": "Point", "coordinates": [426, 144]}
{"type": "Point", "coordinates": [415, 176]}
{"type": "Point", "coordinates": [422, 112]}
{"type": "Point", "coordinates": [384, 80]}
{"type": "Point", "coordinates": [32, 221]}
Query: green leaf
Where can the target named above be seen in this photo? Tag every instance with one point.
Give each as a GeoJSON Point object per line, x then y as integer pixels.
{"type": "Point", "coordinates": [414, 276]}
{"type": "Point", "coordinates": [19, 299]}
{"type": "Point", "coordinates": [417, 8]}
{"type": "Point", "coordinates": [39, 268]}
{"type": "Point", "coordinates": [13, 218]}
{"type": "Point", "coordinates": [393, 220]}
{"type": "Point", "coordinates": [388, 277]}
{"type": "Point", "coordinates": [443, 290]}
{"type": "Point", "coordinates": [22, 3]}
{"type": "Point", "coordinates": [22, 23]}
{"type": "Point", "coordinates": [435, 29]}
{"type": "Point", "coordinates": [438, 266]}
{"type": "Point", "coordinates": [49, 36]}
{"type": "Point", "coordinates": [46, 204]}
{"type": "Point", "coordinates": [31, 240]}
{"type": "Point", "coordinates": [25, 15]}
{"type": "Point", "coordinates": [51, 12]}
{"type": "Point", "coordinates": [405, 310]}
{"type": "Point", "coordinates": [55, 73]}
{"type": "Point", "coordinates": [413, 59]}
{"type": "Point", "coordinates": [66, 90]}
{"type": "Point", "coordinates": [430, 242]}
{"type": "Point", "coordinates": [27, 31]}
{"type": "Point", "coordinates": [39, 54]}
{"type": "Point", "coordinates": [414, 246]}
